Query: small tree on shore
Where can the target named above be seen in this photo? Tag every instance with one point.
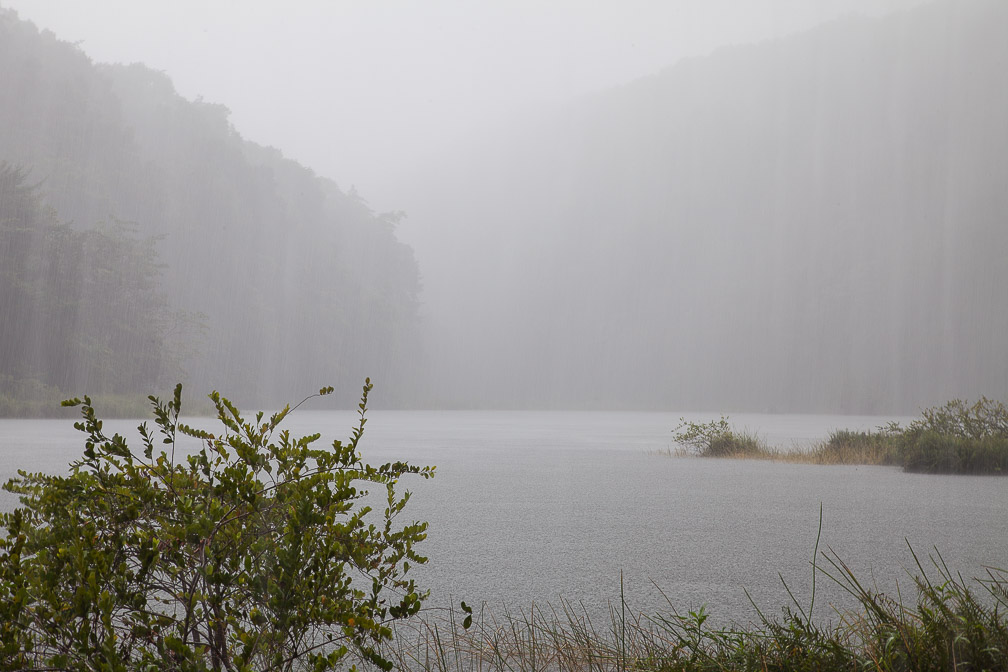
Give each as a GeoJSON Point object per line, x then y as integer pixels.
{"type": "Point", "coordinates": [254, 552]}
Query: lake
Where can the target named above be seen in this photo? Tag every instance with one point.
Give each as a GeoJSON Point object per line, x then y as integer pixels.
{"type": "Point", "coordinates": [534, 506]}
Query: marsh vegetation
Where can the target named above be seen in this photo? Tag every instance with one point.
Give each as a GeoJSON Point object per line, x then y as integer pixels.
{"type": "Point", "coordinates": [957, 437]}
{"type": "Point", "coordinates": [949, 624]}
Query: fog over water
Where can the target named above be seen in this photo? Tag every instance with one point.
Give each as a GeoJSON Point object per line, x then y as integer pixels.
{"type": "Point", "coordinates": [364, 92]}
{"type": "Point", "coordinates": [769, 207]}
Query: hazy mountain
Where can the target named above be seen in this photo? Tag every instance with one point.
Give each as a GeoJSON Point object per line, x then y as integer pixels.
{"type": "Point", "coordinates": [811, 223]}
{"type": "Point", "coordinates": [278, 280]}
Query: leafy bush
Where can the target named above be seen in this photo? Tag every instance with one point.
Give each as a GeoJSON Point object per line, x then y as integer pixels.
{"type": "Point", "coordinates": [984, 418]}
{"type": "Point", "coordinates": [717, 439]}
{"type": "Point", "coordinates": [256, 551]}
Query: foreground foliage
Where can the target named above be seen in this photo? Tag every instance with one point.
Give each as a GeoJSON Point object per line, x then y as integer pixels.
{"type": "Point", "coordinates": [256, 551]}
{"type": "Point", "coordinates": [952, 625]}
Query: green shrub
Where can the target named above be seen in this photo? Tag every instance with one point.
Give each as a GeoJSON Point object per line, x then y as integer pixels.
{"type": "Point", "coordinates": [256, 551]}
{"type": "Point", "coordinates": [984, 418]}
{"type": "Point", "coordinates": [717, 439]}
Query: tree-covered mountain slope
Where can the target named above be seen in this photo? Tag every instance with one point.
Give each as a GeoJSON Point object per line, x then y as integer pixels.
{"type": "Point", "coordinates": [273, 277]}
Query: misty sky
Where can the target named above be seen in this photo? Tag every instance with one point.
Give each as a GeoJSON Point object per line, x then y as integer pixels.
{"type": "Point", "coordinates": [366, 92]}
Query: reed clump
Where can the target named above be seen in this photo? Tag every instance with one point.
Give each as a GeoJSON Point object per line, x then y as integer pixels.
{"type": "Point", "coordinates": [951, 625]}
{"type": "Point", "coordinates": [845, 446]}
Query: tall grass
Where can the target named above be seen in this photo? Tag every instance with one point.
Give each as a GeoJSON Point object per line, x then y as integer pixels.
{"type": "Point", "coordinates": [852, 447]}
{"type": "Point", "coordinates": [939, 453]}
{"type": "Point", "coordinates": [951, 624]}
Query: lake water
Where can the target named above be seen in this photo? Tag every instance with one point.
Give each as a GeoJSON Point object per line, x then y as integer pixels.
{"type": "Point", "coordinates": [534, 506]}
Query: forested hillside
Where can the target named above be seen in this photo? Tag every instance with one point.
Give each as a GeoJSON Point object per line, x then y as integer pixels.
{"type": "Point", "coordinates": [145, 241]}
{"type": "Point", "coordinates": [815, 223]}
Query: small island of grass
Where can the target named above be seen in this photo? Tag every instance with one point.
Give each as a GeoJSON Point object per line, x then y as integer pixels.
{"type": "Point", "coordinates": [955, 438]}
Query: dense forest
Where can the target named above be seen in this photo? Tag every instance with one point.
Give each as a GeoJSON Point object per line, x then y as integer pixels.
{"type": "Point", "coordinates": [813, 223]}
{"type": "Point", "coordinates": [145, 241]}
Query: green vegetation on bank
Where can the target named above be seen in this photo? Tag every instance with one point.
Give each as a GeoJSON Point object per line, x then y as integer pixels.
{"type": "Point", "coordinates": [33, 399]}
{"type": "Point", "coordinates": [958, 437]}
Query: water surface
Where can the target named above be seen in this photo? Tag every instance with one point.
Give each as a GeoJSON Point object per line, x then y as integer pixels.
{"type": "Point", "coordinates": [532, 506]}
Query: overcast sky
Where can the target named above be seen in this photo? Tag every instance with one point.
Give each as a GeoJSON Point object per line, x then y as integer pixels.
{"type": "Point", "coordinates": [361, 91]}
